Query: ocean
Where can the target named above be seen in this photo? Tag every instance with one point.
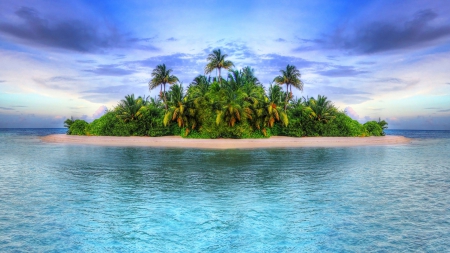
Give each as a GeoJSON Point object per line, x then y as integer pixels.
{"type": "Point", "coordinates": [75, 198]}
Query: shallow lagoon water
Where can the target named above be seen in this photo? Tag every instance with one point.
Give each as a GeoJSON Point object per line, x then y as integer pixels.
{"type": "Point", "coordinates": [56, 197]}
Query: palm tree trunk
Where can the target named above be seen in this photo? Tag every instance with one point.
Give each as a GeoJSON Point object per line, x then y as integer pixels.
{"type": "Point", "coordinates": [287, 96]}
{"type": "Point", "coordinates": [165, 100]}
{"type": "Point", "coordinates": [220, 79]}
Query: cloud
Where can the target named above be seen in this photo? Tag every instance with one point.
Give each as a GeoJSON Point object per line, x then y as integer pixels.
{"type": "Point", "coordinates": [99, 112]}
{"type": "Point", "coordinates": [31, 121]}
{"type": "Point", "coordinates": [341, 90]}
{"type": "Point", "coordinates": [171, 39]}
{"type": "Point", "coordinates": [2, 81]}
{"type": "Point", "coordinates": [80, 35]}
{"type": "Point", "coordinates": [428, 122]}
{"type": "Point", "coordinates": [351, 99]}
{"type": "Point", "coordinates": [280, 61]}
{"type": "Point", "coordinates": [184, 66]}
{"type": "Point", "coordinates": [6, 108]}
{"type": "Point", "coordinates": [366, 62]}
{"type": "Point", "coordinates": [341, 71]}
{"type": "Point", "coordinates": [446, 110]}
{"type": "Point", "coordinates": [118, 89]}
{"type": "Point", "coordinates": [403, 85]}
{"type": "Point", "coordinates": [375, 109]}
{"type": "Point", "coordinates": [110, 70]}
{"type": "Point", "coordinates": [351, 113]}
{"type": "Point", "coordinates": [388, 80]}
{"type": "Point", "coordinates": [86, 61]}
{"type": "Point", "coordinates": [280, 40]}
{"type": "Point", "coordinates": [384, 36]}
{"type": "Point", "coordinates": [62, 78]}
{"type": "Point", "coordinates": [113, 93]}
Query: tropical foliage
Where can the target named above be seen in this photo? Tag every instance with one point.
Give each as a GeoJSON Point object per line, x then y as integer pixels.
{"type": "Point", "coordinates": [216, 60]}
{"type": "Point", "coordinates": [160, 77]}
{"type": "Point", "coordinates": [237, 106]}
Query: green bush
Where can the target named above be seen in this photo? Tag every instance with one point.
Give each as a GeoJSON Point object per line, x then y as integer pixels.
{"type": "Point", "coordinates": [343, 125]}
{"type": "Point", "coordinates": [373, 128]}
{"type": "Point", "coordinates": [78, 127]}
{"type": "Point", "coordinates": [148, 120]}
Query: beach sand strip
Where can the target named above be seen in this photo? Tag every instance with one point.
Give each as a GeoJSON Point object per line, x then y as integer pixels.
{"type": "Point", "coordinates": [272, 142]}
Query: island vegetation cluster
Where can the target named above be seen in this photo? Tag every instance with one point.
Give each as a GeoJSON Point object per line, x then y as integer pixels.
{"type": "Point", "coordinates": [237, 106]}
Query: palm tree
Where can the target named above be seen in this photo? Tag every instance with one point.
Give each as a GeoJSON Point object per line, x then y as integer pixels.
{"type": "Point", "coordinates": [248, 75]}
{"type": "Point", "coordinates": [216, 60]}
{"type": "Point", "coordinates": [130, 108]}
{"type": "Point", "coordinates": [229, 105]}
{"type": "Point", "coordinates": [68, 122]}
{"type": "Point", "coordinates": [321, 109]}
{"type": "Point", "coordinates": [199, 86]}
{"type": "Point", "coordinates": [160, 77]}
{"type": "Point", "coordinates": [290, 77]}
{"type": "Point", "coordinates": [181, 109]}
{"type": "Point", "coordinates": [383, 124]}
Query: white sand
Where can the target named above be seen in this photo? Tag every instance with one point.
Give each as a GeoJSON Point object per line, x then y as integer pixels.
{"type": "Point", "coordinates": [273, 142]}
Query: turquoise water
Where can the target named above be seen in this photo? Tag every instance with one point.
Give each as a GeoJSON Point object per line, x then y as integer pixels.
{"type": "Point", "coordinates": [63, 198]}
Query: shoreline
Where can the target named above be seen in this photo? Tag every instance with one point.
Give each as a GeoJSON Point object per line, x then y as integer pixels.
{"type": "Point", "coordinates": [179, 142]}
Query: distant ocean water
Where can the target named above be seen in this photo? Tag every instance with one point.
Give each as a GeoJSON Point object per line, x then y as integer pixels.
{"type": "Point", "coordinates": [66, 198]}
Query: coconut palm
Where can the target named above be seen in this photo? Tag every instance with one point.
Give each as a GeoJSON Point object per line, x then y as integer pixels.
{"type": "Point", "coordinates": [290, 77]}
{"type": "Point", "coordinates": [248, 75]}
{"type": "Point", "coordinates": [383, 124]}
{"type": "Point", "coordinates": [181, 109]}
{"type": "Point", "coordinates": [130, 108]}
{"type": "Point", "coordinates": [199, 86]}
{"type": "Point", "coordinates": [275, 94]}
{"type": "Point", "coordinates": [321, 109]}
{"type": "Point", "coordinates": [216, 60]}
{"type": "Point", "coordinates": [68, 122]}
{"type": "Point", "coordinates": [160, 77]}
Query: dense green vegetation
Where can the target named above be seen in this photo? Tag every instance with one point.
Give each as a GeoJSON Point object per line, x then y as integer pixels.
{"type": "Point", "coordinates": [235, 107]}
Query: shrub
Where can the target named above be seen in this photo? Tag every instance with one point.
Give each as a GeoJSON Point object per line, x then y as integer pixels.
{"type": "Point", "coordinates": [78, 127]}
{"type": "Point", "coordinates": [373, 128]}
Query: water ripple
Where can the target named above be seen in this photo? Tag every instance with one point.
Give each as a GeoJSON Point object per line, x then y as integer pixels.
{"type": "Point", "coordinates": [85, 198]}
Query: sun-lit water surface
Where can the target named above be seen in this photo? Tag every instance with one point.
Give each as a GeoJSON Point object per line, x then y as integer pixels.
{"type": "Point", "coordinates": [56, 197]}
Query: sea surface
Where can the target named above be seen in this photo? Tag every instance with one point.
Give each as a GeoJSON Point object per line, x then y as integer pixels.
{"type": "Point", "coordinates": [75, 198]}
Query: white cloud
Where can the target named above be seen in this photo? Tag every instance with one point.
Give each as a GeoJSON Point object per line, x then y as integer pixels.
{"type": "Point", "coordinates": [351, 112]}
{"type": "Point", "coordinates": [99, 112]}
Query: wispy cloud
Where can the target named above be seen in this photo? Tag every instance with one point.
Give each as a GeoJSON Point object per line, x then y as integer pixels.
{"type": "Point", "coordinates": [110, 70]}
{"type": "Point", "coordinates": [381, 36]}
{"type": "Point", "coordinates": [86, 61]}
{"type": "Point", "coordinates": [341, 71]}
{"type": "Point", "coordinates": [76, 35]}
{"type": "Point", "coordinates": [6, 108]}
{"type": "Point", "coordinates": [81, 35]}
{"type": "Point", "coordinates": [446, 110]}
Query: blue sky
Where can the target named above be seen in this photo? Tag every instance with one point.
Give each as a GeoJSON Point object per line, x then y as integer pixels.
{"type": "Point", "coordinates": [374, 59]}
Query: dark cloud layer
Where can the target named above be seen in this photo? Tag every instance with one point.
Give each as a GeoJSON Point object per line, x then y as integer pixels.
{"type": "Point", "coordinates": [341, 71]}
{"type": "Point", "coordinates": [381, 36]}
{"type": "Point", "coordinates": [71, 34]}
{"type": "Point", "coordinates": [110, 70]}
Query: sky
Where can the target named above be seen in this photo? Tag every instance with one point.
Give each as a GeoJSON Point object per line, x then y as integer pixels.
{"type": "Point", "coordinates": [373, 59]}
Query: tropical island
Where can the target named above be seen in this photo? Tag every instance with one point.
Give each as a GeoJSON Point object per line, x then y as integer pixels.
{"type": "Point", "coordinates": [236, 107]}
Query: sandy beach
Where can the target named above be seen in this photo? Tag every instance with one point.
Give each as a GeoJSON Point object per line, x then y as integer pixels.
{"type": "Point", "coordinates": [178, 142]}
